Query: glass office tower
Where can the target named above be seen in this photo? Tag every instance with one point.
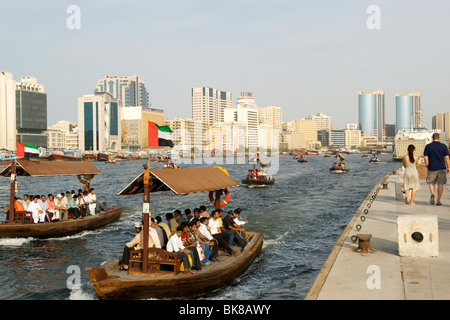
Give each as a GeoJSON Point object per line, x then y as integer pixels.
{"type": "Point", "coordinates": [371, 113]}
{"type": "Point", "coordinates": [407, 111]}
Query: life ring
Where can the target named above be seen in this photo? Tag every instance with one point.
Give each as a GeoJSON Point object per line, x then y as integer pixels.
{"type": "Point", "coordinates": [224, 202]}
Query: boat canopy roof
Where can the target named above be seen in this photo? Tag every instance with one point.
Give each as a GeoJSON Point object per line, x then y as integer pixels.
{"type": "Point", "coordinates": [181, 181]}
{"type": "Point", "coordinates": [36, 168]}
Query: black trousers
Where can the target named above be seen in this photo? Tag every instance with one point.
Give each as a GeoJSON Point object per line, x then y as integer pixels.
{"type": "Point", "coordinates": [75, 211]}
{"type": "Point", "coordinates": [239, 239]}
{"type": "Point", "coordinates": [126, 255]}
{"type": "Point", "coordinates": [223, 239]}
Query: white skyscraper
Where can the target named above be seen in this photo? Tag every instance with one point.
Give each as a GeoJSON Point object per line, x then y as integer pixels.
{"type": "Point", "coordinates": [130, 91]}
{"type": "Point", "coordinates": [323, 121]}
{"type": "Point", "coordinates": [245, 112]}
{"type": "Point", "coordinates": [7, 111]}
{"type": "Point", "coordinates": [208, 104]}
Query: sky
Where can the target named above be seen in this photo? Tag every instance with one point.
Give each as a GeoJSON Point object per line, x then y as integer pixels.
{"type": "Point", "coordinates": [303, 56]}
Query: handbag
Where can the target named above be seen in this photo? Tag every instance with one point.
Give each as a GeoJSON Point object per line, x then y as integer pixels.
{"type": "Point", "coordinates": [201, 254]}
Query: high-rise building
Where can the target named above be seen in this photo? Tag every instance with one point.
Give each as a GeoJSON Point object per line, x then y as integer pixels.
{"type": "Point", "coordinates": [188, 133]}
{"type": "Point", "coordinates": [208, 104]}
{"type": "Point", "coordinates": [7, 111]}
{"type": "Point", "coordinates": [441, 121]}
{"type": "Point", "coordinates": [271, 115]}
{"type": "Point", "coordinates": [31, 112]}
{"type": "Point", "coordinates": [407, 111]}
{"type": "Point", "coordinates": [246, 112]}
{"type": "Point", "coordinates": [129, 91]}
{"type": "Point", "coordinates": [371, 114]}
{"type": "Point", "coordinates": [323, 121]}
{"type": "Point", "coordinates": [99, 122]}
{"type": "Point", "coordinates": [134, 123]}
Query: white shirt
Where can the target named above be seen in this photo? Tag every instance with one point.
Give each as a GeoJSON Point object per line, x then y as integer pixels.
{"type": "Point", "coordinates": [204, 231]}
{"type": "Point", "coordinates": [214, 225]}
{"type": "Point", "coordinates": [239, 222]}
{"type": "Point", "coordinates": [34, 207]}
{"type": "Point", "coordinates": [155, 237]}
{"type": "Point", "coordinates": [174, 244]}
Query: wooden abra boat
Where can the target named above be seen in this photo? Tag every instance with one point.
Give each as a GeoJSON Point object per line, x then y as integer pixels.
{"type": "Point", "coordinates": [257, 177]}
{"type": "Point", "coordinates": [339, 166]}
{"type": "Point", "coordinates": [154, 273]}
{"type": "Point", "coordinates": [20, 223]}
{"type": "Point", "coordinates": [302, 159]}
{"type": "Point", "coordinates": [109, 283]}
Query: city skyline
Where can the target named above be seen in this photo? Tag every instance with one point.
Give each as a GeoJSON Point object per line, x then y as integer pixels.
{"type": "Point", "coordinates": [305, 58]}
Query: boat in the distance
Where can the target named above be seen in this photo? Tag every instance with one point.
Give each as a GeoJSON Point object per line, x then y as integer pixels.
{"type": "Point", "coordinates": [259, 177]}
{"type": "Point", "coordinates": [339, 166]}
{"type": "Point", "coordinates": [302, 159]}
{"type": "Point", "coordinates": [155, 273]}
{"type": "Point", "coordinates": [374, 159]}
{"type": "Point", "coordinates": [20, 223]}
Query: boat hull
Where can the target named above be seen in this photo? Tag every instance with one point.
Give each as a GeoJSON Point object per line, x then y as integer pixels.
{"type": "Point", "coordinates": [332, 170]}
{"type": "Point", "coordinates": [255, 182]}
{"type": "Point", "coordinates": [59, 229]}
{"type": "Point", "coordinates": [110, 286]}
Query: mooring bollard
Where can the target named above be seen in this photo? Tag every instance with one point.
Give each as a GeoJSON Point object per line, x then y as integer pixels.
{"type": "Point", "coordinates": [364, 243]}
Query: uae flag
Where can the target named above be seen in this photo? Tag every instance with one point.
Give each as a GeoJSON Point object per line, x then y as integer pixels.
{"type": "Point", "coordinates": [26, 150]}
{"type": "Point", "coordinates": [159, 136]}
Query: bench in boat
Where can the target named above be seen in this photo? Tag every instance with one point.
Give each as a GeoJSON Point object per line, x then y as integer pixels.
{"type": "Point", "coordinates": [159, 261]}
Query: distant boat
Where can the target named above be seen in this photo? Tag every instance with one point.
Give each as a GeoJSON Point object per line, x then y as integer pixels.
{"type": "Point", "coordinates": [302, 159]}
{"type": "Point", "coordinates": [339, 166]}
{"type": "Point", "coordinates": [102, 157]}
{"type": "Point", "coordinates": [258, 177]}
{"type": "Point", "coordinates": [374, 159]}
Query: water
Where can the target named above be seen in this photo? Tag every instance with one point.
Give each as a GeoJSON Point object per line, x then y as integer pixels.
{"type": "Point", "coordinates": [301, 216]}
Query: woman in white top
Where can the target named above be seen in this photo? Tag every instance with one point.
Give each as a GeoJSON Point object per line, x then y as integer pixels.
{"type": "Point", "coordinates": [411, 176]}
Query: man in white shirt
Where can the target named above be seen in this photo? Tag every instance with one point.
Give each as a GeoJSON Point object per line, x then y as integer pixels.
{"type": "Point", "coordinates": [221, 238]}
{"type": "Point", "coordinates": [176, 245]}
{"type": "Point", "coordinates": [36, 210]}
{"type": "Point", "coordinates": [214, 224]}
{"type": "Point", "coordinates": [61, 207]}
{"type": "Point", "coordinates": [93, 202]}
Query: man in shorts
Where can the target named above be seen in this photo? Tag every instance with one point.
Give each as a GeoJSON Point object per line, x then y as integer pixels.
{"type": "Point", "coordinates": [436, 157]}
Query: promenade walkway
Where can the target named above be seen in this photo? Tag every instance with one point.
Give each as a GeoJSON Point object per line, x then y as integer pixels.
{"type": "Point", "coordinates": [383, 274]}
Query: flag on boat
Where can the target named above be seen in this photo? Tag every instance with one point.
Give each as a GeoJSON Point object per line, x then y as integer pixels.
{"type": "Point", "coordinates": [159, 136]}
{"type": "Point", "coordinates": [26, 149]}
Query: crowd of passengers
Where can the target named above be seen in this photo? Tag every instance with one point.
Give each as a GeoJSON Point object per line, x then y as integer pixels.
{"type": "Point", "coordinates": [196, 237]}
{"type": "Point", "coordinates": [46, 208]}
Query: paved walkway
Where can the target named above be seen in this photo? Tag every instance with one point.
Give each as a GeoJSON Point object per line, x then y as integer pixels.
{"type": "Point", "coordinates": [383, 274]}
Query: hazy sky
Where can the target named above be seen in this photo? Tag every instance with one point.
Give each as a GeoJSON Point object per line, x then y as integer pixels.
{"type": "Point", "coordinates": [304, 56]}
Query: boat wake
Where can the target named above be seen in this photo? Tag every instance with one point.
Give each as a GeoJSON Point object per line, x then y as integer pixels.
{"type": "Point", "coordinates": [78, 293]}
{"type": "Point", "coordinates": [15, 242]}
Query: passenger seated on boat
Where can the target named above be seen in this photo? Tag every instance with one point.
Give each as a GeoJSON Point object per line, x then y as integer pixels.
{"type": "Point", "coordinates": [93, 203]}
{"type": "Point", "coordinates": [229, 224]}
{"type": "Point", "coordinates": [43, 203]}
{"type": "Point", "coordinates": [178, 217]}
{"type": "Point", "coordinates": [72, 206]}
{"type": "Point", "coordinates": [81, 206]}
{"type": "Point", "coordinates": [61, 207]}
{"type": "Point", "coordinates": [221, 238]}
{"type": "Point", "coordinates": [162, 237]}
{"type": "Point", "coordinates": [216, 225]}
{"type": "Point", "coordinates": [199, 243]}
{"type": "Point", "coordinates": [36, 210]}
{"type": "Point", "coordinates": [175, 245]}
{"type": "Point", "coordinates": [237, 214]}
{"type": "Point", "coordinates": [135, 244]}
{"type": "Point", "coordinates": [196, 264]}
{"type": "Point", "coordinates": [196, 214]}
{"type": "Point", "coordinates": [25, 202]}
{"type": "Point", "coordinates": [164, 226]}
{"type": "Point", "coordinates": [173, 224]}
{"type": "Point", "coordinates": [203, 212]}
{"type": "Point", "coordinates": [51, 207]}
{"type": "Point", "coordinates": [18, 206]}
{"type": "Point", "coordinates": [213, 244]}
{"type": "Point", "coordinates": [86, 200]}
{"type": "Point", "coordinates": [188, 214]}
